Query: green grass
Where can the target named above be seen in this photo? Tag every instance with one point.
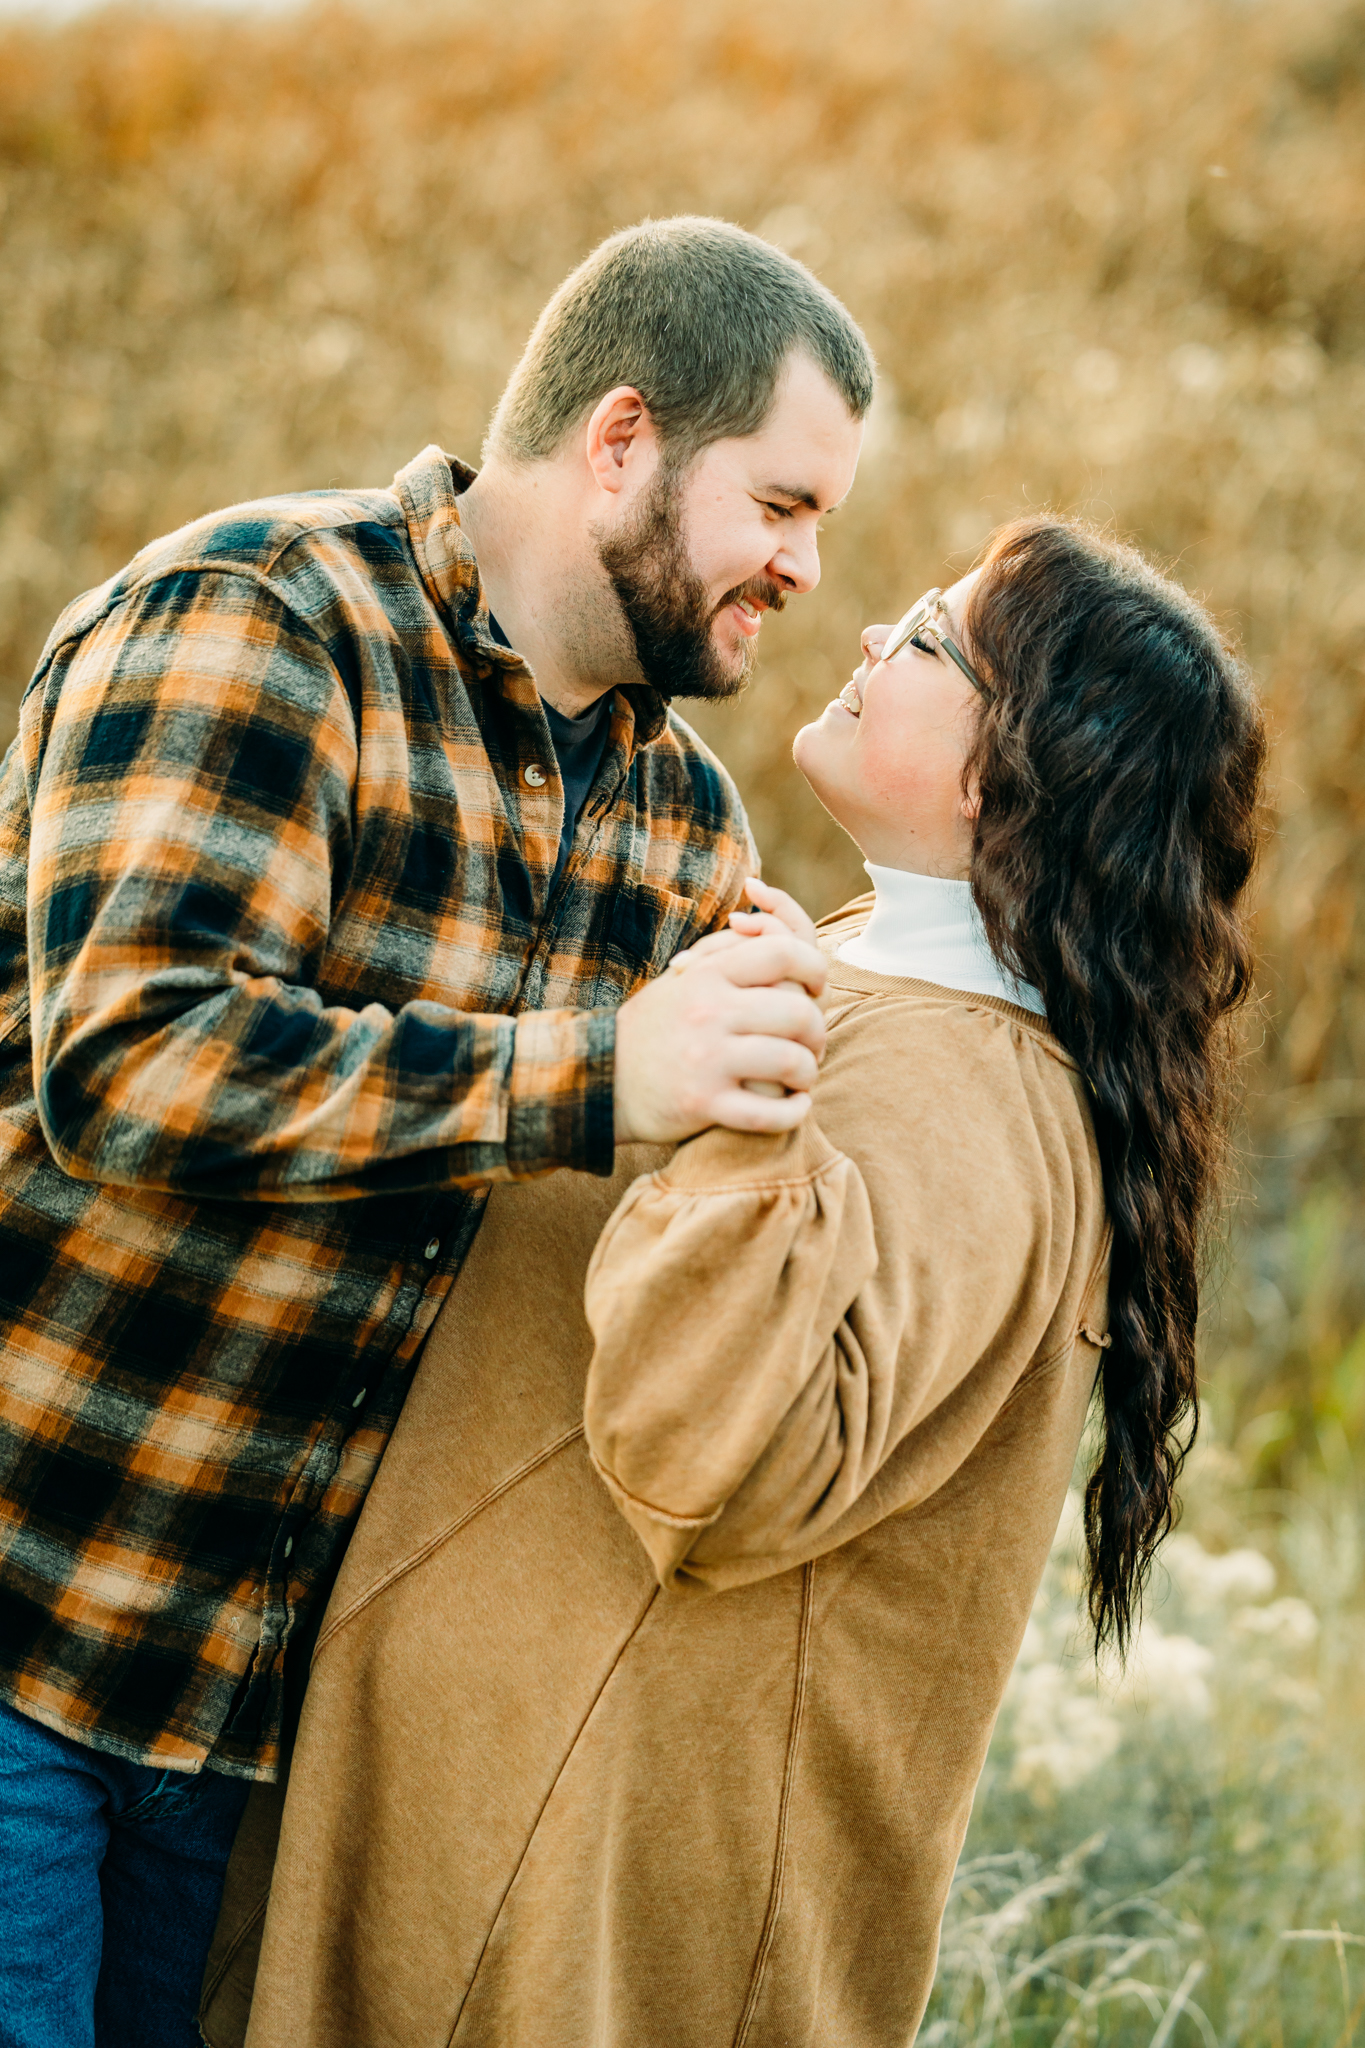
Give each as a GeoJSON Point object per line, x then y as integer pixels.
{"type": "Point", "coordinates": [1174, 1855]}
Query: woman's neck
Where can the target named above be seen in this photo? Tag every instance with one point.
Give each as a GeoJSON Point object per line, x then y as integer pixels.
{"type": "Point", "coordinates": [930, 930]}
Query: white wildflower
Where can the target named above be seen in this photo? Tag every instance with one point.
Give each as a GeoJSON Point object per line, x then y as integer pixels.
{"type": "Point", "coordinates": [1062, 1734]}
{"type": "Point", "coordinates": [1207, 1581]}
{"type": "Point", "coordinates": [1290, 1621]}
{"type": "Point", "coordinates": [1166, 1675]}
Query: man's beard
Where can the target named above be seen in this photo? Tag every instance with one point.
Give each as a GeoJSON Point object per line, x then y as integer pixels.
{"type": "Point", "coordinates": [664, 603]}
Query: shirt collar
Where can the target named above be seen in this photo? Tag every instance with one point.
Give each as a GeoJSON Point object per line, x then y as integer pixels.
{"type": "Point", "coordinates": [429, 488]}
{"type": "Point", "coordinates": [929, 929]}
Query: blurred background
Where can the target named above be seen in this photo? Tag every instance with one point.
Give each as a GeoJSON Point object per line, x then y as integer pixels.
{"type": "Point", "coordinates": [1112, 259]}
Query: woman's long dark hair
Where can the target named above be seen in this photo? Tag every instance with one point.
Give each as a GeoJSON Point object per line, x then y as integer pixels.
{"type": "Point", "coordinates": [1119, 760]}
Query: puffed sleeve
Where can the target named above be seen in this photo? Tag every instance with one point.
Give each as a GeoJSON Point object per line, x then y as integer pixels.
{"type": "Point", "coordinates": [774, 1317]}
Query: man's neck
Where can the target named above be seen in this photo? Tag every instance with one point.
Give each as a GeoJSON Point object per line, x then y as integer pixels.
{"type": "Point", "coordinates": [543, 582]}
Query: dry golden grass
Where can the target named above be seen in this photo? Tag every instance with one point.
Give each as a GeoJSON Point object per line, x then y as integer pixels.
{"type": "Point", "coordinates": [1110, 259]}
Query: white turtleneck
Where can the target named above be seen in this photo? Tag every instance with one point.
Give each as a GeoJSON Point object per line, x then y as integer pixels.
{"type": "Point", "coordinates": [931, 930]}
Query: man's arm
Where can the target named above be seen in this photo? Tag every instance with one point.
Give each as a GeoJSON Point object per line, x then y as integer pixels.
{"type": "Point", "coordinates": [191, 777]}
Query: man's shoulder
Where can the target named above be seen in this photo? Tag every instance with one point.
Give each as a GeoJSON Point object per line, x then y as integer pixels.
{"type": "Point", "coordinates": [257, 534]}
{"type": "Point", "coordinates": [288, 542]}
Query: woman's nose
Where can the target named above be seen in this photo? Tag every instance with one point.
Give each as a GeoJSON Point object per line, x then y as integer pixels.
{"type": "Point", "coordinates": [874, 639]}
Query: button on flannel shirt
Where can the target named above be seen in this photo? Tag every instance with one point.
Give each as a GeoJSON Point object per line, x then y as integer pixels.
{"type": "Point", "coordinates": [284, 985]}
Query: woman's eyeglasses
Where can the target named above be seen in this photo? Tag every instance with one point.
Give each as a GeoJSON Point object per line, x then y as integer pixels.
{"type": "Point", "coordinates": [925, 626]}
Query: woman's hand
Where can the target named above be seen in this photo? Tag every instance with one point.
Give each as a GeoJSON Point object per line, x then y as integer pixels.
{"type": "Point", "coordinates": [776, 912]}
{"type": "Point", "coordinates": [775, 909]}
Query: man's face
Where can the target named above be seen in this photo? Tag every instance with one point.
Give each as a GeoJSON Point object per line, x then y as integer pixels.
{"type": "Point", "coordinates": [700, 557]}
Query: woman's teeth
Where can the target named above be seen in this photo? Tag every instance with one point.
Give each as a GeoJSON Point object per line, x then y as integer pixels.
{"type": "Point", "coordinates": [851, 698]}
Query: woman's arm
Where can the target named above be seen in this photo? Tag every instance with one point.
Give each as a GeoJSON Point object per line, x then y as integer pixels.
{"type": "Point", "coordinates": [775, 1316]}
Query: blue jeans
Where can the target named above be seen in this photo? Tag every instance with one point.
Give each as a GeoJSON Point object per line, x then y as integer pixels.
{"type": "Point", "coordinates": [110, 1880]}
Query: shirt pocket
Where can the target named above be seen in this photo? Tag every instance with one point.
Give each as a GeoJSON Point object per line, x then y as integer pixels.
{"type": "Point", "coordinates": [649, 924]}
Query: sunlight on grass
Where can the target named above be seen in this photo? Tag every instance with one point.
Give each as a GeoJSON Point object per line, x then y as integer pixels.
{"type": "Point", "coordinates": [1174, 1854]}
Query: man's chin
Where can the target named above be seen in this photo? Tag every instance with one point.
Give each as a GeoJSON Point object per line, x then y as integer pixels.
{"type": "Point", "coordinates": [716, 686]}
{"type": "Point", "coordinates": [727, 671]}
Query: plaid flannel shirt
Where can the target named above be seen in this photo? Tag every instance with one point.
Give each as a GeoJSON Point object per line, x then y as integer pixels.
{"type": "Point", "coordinates": [283, 987]}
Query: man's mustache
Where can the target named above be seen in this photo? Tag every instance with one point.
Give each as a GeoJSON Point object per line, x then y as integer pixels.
{"type": "Point", "coordinates": [759, 590]}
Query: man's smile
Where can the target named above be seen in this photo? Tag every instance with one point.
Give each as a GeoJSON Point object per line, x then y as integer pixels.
{"type": "Point", "coordinates": [747, 607]}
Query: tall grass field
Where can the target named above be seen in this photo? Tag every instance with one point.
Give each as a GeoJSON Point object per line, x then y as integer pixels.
{"type": "Point", "coordinates": [1112, 259]}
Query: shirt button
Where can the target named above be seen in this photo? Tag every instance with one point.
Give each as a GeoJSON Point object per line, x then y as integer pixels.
{"type": "Point", "coordinates": [288, 1545]}
{"type": "Point", "coordinates": [360, 1397]}
{"type": "Point", "coordinates": [533, 775]}
{"type": "Point", "coordinates": [433, 1247]}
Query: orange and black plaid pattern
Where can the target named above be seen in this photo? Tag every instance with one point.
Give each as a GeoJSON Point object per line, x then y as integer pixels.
{"type": "Point", "coordinates": [283, 986]}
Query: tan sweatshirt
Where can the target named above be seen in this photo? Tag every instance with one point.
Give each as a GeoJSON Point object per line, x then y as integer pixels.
{"type": "Point", "coordinates": [559, 1788]}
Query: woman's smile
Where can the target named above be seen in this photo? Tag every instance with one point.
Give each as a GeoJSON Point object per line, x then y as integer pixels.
{"type": "Point", "coordinates": [887, 755]}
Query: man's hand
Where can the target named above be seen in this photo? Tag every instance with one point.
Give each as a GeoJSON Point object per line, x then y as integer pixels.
{"type": "Point", "coordinates": [732, 1010]}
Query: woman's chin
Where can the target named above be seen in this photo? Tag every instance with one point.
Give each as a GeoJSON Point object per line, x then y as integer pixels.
{"type": "Point", "coordinates": [806, 749]}
{"type": "Point", "coordinates": [823, 739]}
{"type": "Point", "coordinates": [817, 759]}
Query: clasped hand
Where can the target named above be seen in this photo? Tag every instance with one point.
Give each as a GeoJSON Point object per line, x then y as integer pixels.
{"type": "Point", "coordinates": [731, 1034]}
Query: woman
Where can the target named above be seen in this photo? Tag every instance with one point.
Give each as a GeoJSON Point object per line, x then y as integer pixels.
{"type": "Point", "coordinates": [557, 1785]}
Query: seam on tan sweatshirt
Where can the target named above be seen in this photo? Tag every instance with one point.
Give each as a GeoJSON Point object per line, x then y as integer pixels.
{"type": "Point", "coordinates": [1083, 1324]}
{"type": "Point", "coordinates": [900, 985]}
{"type": "Point", "coordinates": [748, 1187]}
{"type": "Point", "coordinates": [646, 1507]}
{"type": "Point", "coordinates": [1083, 1327]}
{"type": "Point", "coordinates": [535, 1825]}
{"type": "Point", "coordinates": [444, 1535]}
{"type": "Point", "coordinates": [249, 1925]}
{"type": "Point", "coordinates": [769, 1933]}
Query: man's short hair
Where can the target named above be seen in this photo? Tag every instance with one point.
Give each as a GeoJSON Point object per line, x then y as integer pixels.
{"type": "Point", "coordinates": [699, 317]}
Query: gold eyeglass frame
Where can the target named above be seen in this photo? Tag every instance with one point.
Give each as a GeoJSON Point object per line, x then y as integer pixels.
{"type": "Point", "coordinates": [929, 614]}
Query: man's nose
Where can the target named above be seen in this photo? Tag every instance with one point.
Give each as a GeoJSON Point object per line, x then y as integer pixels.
{"type": "Point", "coordinates": [796, 565]}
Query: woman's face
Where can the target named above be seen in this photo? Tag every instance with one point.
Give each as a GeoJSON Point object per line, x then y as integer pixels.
{"type": "Point", "coordinates": [891, 772]}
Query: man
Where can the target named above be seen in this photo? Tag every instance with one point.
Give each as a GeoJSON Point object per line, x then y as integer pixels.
{"type": "Point", "coordinates": [342, 838]}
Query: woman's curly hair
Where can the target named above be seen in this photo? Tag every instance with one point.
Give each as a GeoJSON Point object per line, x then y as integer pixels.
{"type": "Point", "coordinates": [1119, 761]}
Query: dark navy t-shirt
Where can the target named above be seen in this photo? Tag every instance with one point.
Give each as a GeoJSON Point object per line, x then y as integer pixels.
{"type": "Point", "coordinates": [579, 745]}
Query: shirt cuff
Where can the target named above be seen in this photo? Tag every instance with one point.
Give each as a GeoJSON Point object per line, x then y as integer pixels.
{"type": "Point", "coordinates": [561, 1108]}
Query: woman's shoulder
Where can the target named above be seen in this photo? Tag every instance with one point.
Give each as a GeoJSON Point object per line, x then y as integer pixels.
{"type": "Point", "coordinates": [949, 1077]}
{"type": "Point", "coordinates": [892, 1004]}
{"type": "Point", "coordinates": [959, 1023]}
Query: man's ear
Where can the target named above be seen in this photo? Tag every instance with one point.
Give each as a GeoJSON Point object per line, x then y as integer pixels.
{"type": "Point", "coordinates": [622, 442]}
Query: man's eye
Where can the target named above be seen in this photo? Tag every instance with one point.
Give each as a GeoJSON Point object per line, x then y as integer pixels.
{"type": "Point", "coordinates": [782, 511]}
